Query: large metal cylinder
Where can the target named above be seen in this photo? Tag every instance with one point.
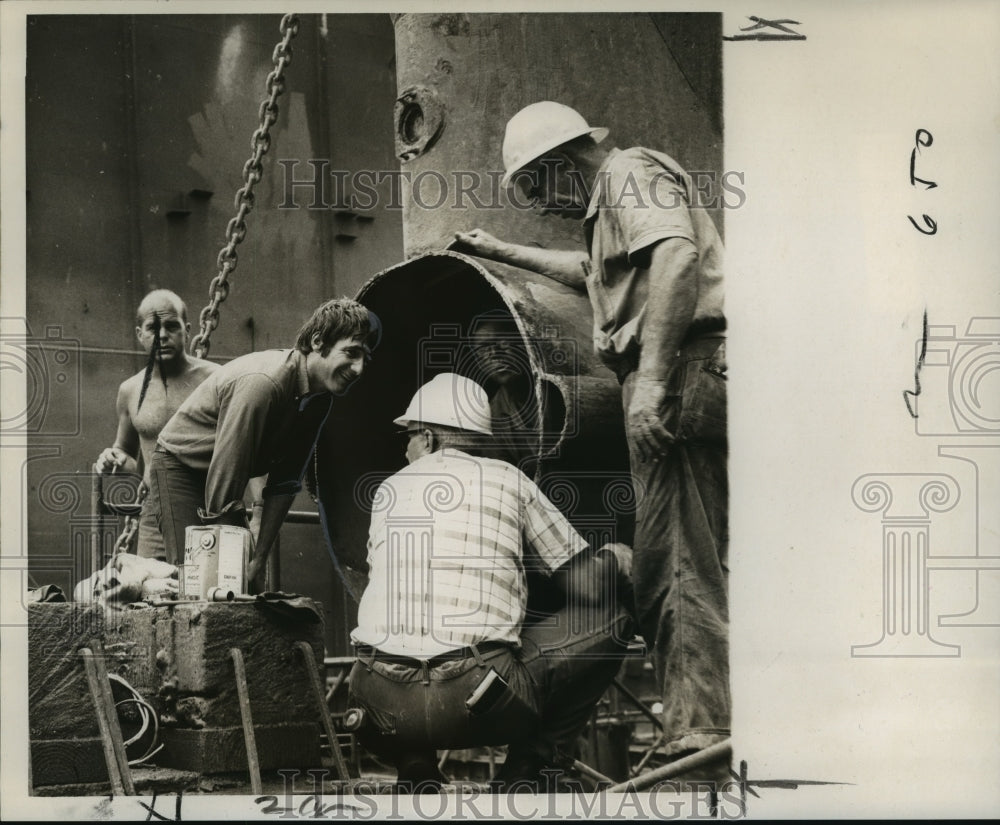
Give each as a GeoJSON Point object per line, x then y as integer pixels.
{"type": "Point", "coordinates": [653, 79]}
{"type": "Point", "coordinates": [428, 306]}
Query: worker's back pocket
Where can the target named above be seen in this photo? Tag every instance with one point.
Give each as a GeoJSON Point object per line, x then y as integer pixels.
{"type": "Point", "coordinates": [497, 714]}
{"type": "Point", "coordinates": [703, 398]}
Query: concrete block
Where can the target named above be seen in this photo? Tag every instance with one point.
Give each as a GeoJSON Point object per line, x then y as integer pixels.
{"type": "Point", "coordinates": [178, 659]}
{"type": "Point", "coordinates": [223, 750]}
{"type": "Point", "coordinates": [67, 761]}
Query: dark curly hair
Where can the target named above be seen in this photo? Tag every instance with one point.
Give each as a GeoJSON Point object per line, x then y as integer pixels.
{"type": "Point", "coordinates": [337, 319]}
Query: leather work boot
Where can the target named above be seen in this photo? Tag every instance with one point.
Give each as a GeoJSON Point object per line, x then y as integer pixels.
{"type": "Point", "coordinates": [418, 773]}
{"type": "Point", "coordinates": [521, 772]}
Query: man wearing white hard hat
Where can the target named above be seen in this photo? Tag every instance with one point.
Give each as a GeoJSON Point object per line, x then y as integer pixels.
{"type": "Point", "coordinates": [653, 271]}
{"type": "Point", "coordinates": [444, 660]}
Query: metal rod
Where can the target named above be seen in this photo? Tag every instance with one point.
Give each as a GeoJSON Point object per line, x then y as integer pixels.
{"type": "Point", "coordinates": [117, 740]}
{"type": "Point", "coordinates": [695, 760]}
{"type": "Point", "coordinates": [635, 700]}
{"type": "Point", "coordinates": [110, 760]}
{"type": "Point", "coordinates": [338, 680]}
{"type": "Point", "coordinates": [302, 517]}
{"type": "Point", "coordinates": [648, 754]}
{"type": "Point", "coordinates": [248, 733]}
{"type": "Point", "coordinates": [107, 720]}
{"type": "Point", "coordinates": [96, 523]}
{"type": "Point", "coordinates": [324, 711]}
{"type": "Point", "coordinates": [443, 760]}
{"type": "Point", "coordinates": [586, 770]}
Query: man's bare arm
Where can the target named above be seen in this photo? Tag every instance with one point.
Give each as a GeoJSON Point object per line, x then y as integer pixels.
{"type": "Point", "coordinates": [587, 578]}
{"type": "Point", "coordinates": [673, 292]}
{"type": "Point", "coordinates": [562, 265]}
{"type": "Point", "coordinates": [123, 454]}
{"type": "Point", "coordinates": [272, 517]}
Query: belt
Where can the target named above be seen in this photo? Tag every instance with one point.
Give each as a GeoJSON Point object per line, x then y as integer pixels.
{"type": "Point", "coordinates": [704, 326]}
{"type": "Point", "coordinates": [472, 652]}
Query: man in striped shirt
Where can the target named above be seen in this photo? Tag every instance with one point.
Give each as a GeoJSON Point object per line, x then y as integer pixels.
{"type": "Point", "coordinates": [443, 658]}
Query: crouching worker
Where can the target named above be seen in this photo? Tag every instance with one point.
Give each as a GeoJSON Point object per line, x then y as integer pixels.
{"type": "Point", "coordinates": [259, 414]}
{"type": "Point", "coordinates": [443, 660]}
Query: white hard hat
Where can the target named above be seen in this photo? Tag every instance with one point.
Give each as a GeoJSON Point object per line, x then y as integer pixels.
{"type": "Point", "coordinates": [538, 129]}
{"type": "Point", "coordinates": [452, 401]}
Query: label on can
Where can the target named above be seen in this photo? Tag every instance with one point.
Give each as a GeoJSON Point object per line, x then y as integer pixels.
{"type": "Point", "coordinates": [201, 561]}
{"type": "Point", "coordinates": [234, 557]}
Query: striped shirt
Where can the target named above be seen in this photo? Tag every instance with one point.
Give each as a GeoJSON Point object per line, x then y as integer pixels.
{"type": "Point", "coordinates": [451, 535]}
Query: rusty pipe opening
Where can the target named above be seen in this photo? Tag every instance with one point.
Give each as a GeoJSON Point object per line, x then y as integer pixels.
{"type": "Point", "coordinates": [556, 410]}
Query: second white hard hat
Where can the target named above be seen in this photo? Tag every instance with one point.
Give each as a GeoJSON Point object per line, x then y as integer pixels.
{"type": "Point", "coordinates": [538, 129]}
{"type": "Point", "coordinates": [450, 400]}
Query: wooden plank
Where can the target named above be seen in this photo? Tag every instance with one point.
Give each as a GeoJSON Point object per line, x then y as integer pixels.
{"type": "Point", "coordinates": [247, 716]}
{"type": "Point", "coordinates": [103, 722]}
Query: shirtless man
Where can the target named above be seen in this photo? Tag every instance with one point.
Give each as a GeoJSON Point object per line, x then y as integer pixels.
{"type": "Point", "coordinates": [148, 399]}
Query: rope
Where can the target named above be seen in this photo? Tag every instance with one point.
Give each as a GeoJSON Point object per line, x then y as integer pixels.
{"type": "Point", "coordinates": [253, 171]}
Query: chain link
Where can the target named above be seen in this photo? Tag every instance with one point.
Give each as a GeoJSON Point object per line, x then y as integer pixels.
{"type": "Point", "coordinates": [236, 229]}
{"type": "Point", "coordinates": [124, 541]}
{"type": "Point", "coordinates": [253, 171]}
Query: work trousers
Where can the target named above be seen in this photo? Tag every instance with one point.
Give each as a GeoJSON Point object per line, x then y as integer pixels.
{"type": "Point", "coordinates": [553, 681]}
{"type": "Point", "coordinates": [149, 540]}
{"type": "Point", "coordinates": [680, 554]}
{"type": "Point", "coordinates": [175, 493]}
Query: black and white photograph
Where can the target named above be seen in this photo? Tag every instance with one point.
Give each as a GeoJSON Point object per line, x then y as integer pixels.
{"type": "Point", "coordinates": [457, 411]}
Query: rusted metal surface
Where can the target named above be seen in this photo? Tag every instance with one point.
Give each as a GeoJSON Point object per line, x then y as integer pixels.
{"type": "Point", "coordinates": [132, 161]}
{"type": "Point", "coordinates": [630, 72]}
{"type": "Point", "coordinates": [253, 172]}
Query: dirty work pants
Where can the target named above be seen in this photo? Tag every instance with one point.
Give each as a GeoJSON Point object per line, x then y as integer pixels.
{"type": "Point", "coordinates": [553, 683]}
{"type": "Point", "coordinates": [175, 493]}
{"type": "Point", "coordinates": [680, 562]}
{"type": "Point", "coordinates": [149, 543]}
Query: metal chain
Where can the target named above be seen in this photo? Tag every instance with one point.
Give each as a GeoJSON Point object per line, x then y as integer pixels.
{"type": "Point", "coordinates": [131, 526]}
{"type": "Point", "coordinates": [128, 533]}
{"type": "Point", "coordinates": [236, 229]}
{"type": "Point", "coordinates": [253, 171]}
